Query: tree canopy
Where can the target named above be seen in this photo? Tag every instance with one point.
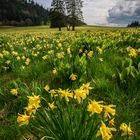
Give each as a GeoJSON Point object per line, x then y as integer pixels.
{"type": "Point", "coordinates": [66, 13]}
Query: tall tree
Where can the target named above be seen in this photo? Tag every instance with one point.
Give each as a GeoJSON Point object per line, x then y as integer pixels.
{"type": "Point", "coordinates": [57, 13]}
{"type": "Point", "coordinates": [74, 12]}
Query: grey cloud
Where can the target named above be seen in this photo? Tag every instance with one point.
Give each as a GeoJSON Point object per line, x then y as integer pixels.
{"type": "Point", "coordinates": [124, 12]}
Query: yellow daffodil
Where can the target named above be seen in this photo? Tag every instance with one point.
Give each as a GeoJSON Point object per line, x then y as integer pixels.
{"type": "Point", "coordinates": [15, 53]}
{"type": "Point", "coordinates": [68, 51]}
{"type": "Point", "coordinates": [35, 101]}
{"type": "Point", "coordinates": [51, 106]}
{"type": "Point", "coordinates": [112, 122]}
{"type": "Point", "coordinates": [80, 95]}
{"type": "Point", "coordinates": [54, 71]}
{"type": "Point", "coordinates": [23, 57]}
{"type": "Point", "coordinates": [60, 55]}
{"type": "Point", "coordinates": [132, 51]}
{"type": "Point", "coordinates": [18, 57]}
{"type": "Point", "coordinates": [23, 119]}
{"type": "Point", "coordinates": [105, 131]}
{"type": "Point", "coordinates": [1, 55]}
{"type": "Point", "coordinates": [47, 88]}
{"type": "Point", "coordinates": [86, 87]}
{"type": "Point", "coordinates": [27, 61]}
{"type": "Point", "coordinates": [65, 93]}
{"type": "Point", "coordinates": [53, 92]}
{"type": "Point", "coordinates": [30, 109]}
{"type": "Point", "coordinates": [126, 129]}
{"type": "Point", "coordinates": [109, 110]}
{"type": "Point", "coordinates": [45, 57]}
{"type": "Point", "coordinates": [95, 107]}
{"type": "Point", "coordinates": [90, 54]}
{"type": "Point", "coordinates": [8, 62]}
{"type": "Point", "coordinates": [14, 91]}
{"type": "Point", "coordinates": [99, 50]}
{"type": "Point", "coordinates": [59, 45]}
{"type": "Point", "coordinates": [101, 59]}
{"type": "Point", "coordinates": [73, 77]}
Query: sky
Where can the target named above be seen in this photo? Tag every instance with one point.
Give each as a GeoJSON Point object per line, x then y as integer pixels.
{"type": "Point", "coordinates": [107, 12]}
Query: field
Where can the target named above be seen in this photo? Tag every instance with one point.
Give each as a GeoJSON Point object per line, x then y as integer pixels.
{"type": "Point", "coordinates": [82, 85]}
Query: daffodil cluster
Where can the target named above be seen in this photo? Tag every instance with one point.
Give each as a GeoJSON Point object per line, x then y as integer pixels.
{"type": "Point", "coordinates": [33, 105]}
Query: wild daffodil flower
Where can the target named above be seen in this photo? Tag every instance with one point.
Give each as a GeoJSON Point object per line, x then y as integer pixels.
{"type": "Point", "coordinates": [86, 87]}
{"type": "Point", "coordinates": [80, 95]}
{"type": "Point", "coordinates": [95, 107]}
{"type": "Point", "coordinates": [90, 54]}
{"type": "Point", "coordinates": [112, 122]}
{"type": "Point", "coordinates": [47, 88]}
{"type": "Point", "coordinates": [51, 106]}
{"type": "Point", "coordinates": [54, 71]}
{"type": "Point", "coordinates": [65, 93]}
{"type": "Point", "coordinates": [30, 109]}
{"type": "Point", "coordinates": [59, 45]}
{"type": "Point", "coordinates": [35, 101]}
{"type": "Point", "coordinates": [14, 91]}
{"type": "Point", "coordinates": [109, 110]}
{"type": "Point", "coordinates": [53, 92]}
{"type": "Point", "coordinates": [105, 131]}
{"type": "Point", "coordinates": [23, 119]}
{"type": "Point", "coordinates": [126, 129]}
{"type": "Point", "coordinates": [73, 77]}
{"type": "Point", "coordinates": [8, 62]}
{"type": "Point", "coordinates": [27, 61]}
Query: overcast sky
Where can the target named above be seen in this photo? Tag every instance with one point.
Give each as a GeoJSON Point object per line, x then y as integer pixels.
{"type": "Point", "coordinates": [107, 12]}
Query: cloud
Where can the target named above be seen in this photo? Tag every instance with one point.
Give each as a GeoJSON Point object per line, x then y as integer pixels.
{"type": "Point", "coordinates": [95, 12]}
{"type": "Point", "coordinates": [124, 12]}
{"type": "Point", "coordinates": [44, 3]}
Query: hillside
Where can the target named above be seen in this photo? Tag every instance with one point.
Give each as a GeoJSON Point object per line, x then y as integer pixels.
{"type": "Point", "coordinates": [22, 13]}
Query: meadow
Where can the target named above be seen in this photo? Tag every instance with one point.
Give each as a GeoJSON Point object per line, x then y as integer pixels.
{"type": "Point", "coordinates": [81, 85]}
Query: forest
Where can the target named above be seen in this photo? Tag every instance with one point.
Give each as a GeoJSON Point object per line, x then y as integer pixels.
{"type": "Point", "coordinates": [22, 13]}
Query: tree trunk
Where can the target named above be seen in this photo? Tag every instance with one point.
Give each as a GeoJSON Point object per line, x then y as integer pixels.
{"type": "Point", "coordinates": [59, 28]}
{"type": "Point", "coordinates": [73, 28]}
{"type": "Point", "coordinates": [68, 27]}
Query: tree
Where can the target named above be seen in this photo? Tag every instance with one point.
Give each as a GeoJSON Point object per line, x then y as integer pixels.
{"type": "Point", "coordinates": [134, 24]}
{"type": "Point", "coordinates": [57, 13]}
{"type": "Point", "coordinates": [74, 12]}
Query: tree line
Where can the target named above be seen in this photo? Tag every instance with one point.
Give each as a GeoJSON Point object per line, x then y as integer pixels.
{"type": "Point", "coordinates": [66, 13]}
{"type": "Point", "coordinates": [22, 13]}
{"type": "Point", "coordinates": [134, 24]}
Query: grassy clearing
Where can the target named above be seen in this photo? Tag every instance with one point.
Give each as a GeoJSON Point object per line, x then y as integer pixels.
{"type": "Point", "coordinates": [33, 57]}
{"type": "Point", "coordinates": [46, 29]}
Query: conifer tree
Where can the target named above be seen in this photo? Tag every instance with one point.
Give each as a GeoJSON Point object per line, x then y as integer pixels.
{"type": "Point", "coordinates": [74, 12]}
{"type": "Point", "coordinates": [57, 13]}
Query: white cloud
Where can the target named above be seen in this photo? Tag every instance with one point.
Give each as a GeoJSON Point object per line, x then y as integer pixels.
{"type": "Point", "coordinates": [124, 12]}
{"type": "Point", "coordinates": [45, 3]}
{"type": "Point", "coordinates": [96, 12]}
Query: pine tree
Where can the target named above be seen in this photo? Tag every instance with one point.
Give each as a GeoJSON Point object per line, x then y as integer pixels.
{"type": "Point", "coordinates": [57, 13]}
{"type": "Point", "coordinates": [74, 12]}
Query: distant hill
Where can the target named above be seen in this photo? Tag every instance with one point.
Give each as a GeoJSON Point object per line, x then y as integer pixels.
{"type": "Point", "coordinates": [22, 13]}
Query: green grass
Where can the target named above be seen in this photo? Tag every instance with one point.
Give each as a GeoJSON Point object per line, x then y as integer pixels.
{"type": "Point", "coordinates": [40, 29]}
